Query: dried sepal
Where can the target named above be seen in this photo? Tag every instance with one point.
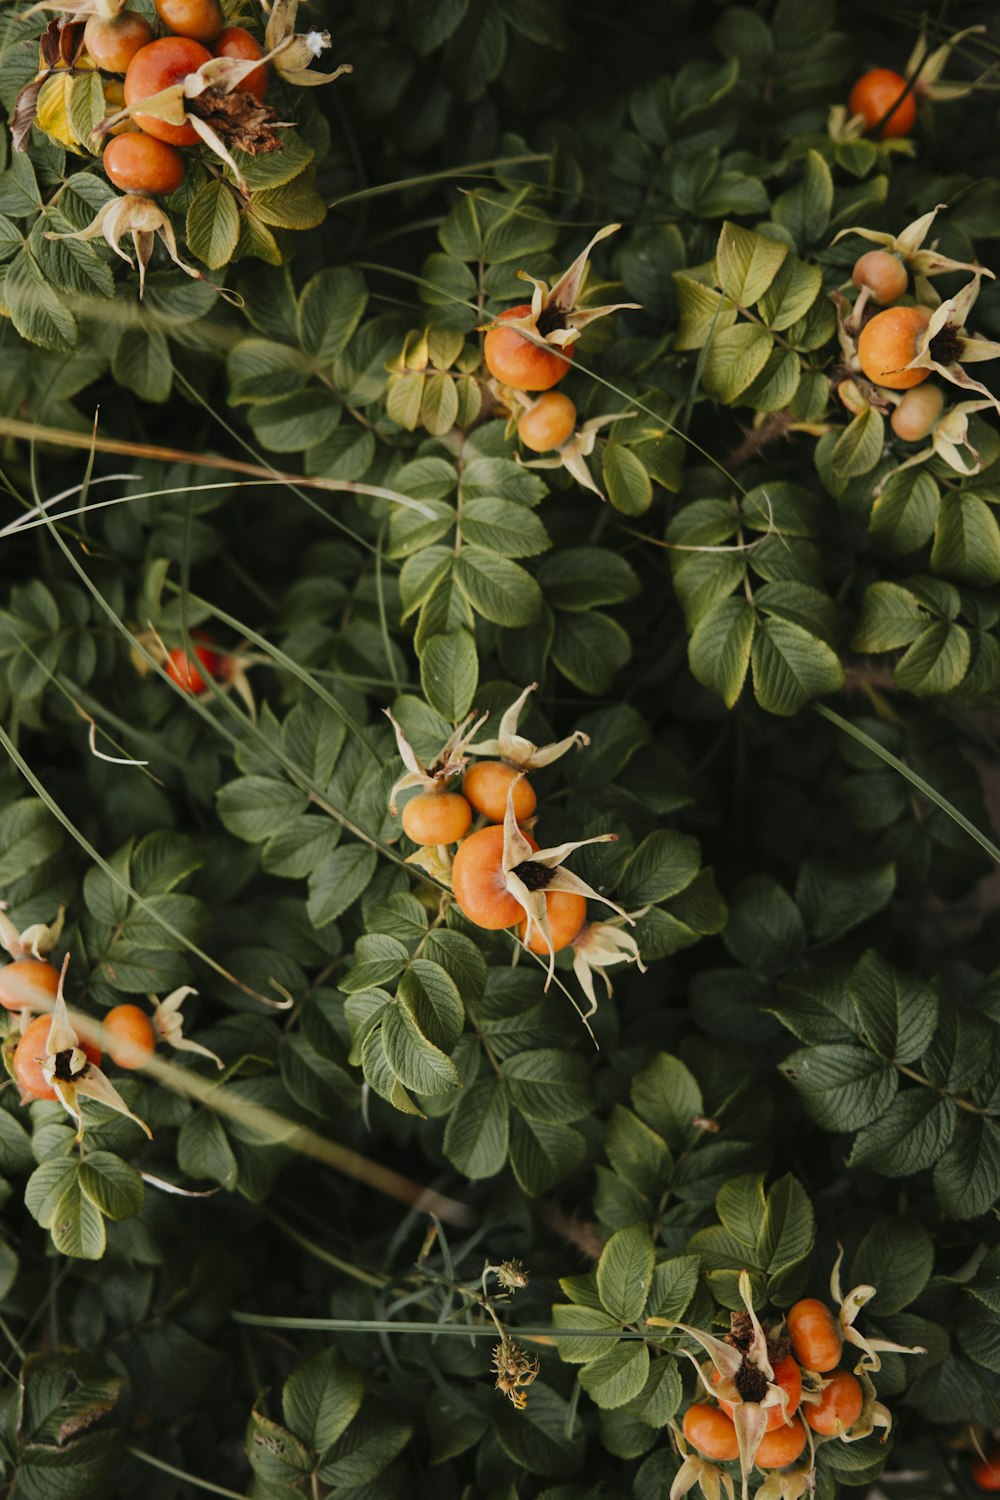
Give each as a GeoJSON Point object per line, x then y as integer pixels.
{"type": "Point", "coordinates": [873, 1413]}
{"type": "Point", "coordinates": [169, 1024]}
{"type": "Point", "coordinates": [908, 244]}
{"type": "Point", "coordinates": [945, 346]}
{"type": "Point", "coordinates": [949, 441]}
{"type": "Point", "coordinates": [576, 449]}
{"type": "Point", "coordinates": [515, 1370]}
{"type": "Point", "coordinates": [80, 10]}
{"type": "Point", "coordinates": [293, 53]}
{"type": "Point", "coordinates": [789, 1484]}
{"type": "Point", "coordinates": [598, 946]}
{"type": "Point", "coordinates": [520, 752]}
{"type": "Point", "coordinates": [559, 302]}
{"type": "Point", "coordinates": [529, 874]}
{"type": "Point", "coordinates": [435, 860]}
{"type": "Point", "coordinates": [449, 762]}
{"type": "Point", "coordinates": [144, 221]}
{"type": "Point", "coordinates": [70, 1073]}
{"type": "Point", "coordinates": [713, 1481]}
{"type": "Point", "coordinates": [926, 68]}
{"type": "Point", "coordinates": [34, 941]}
{"type": "Point", "coordinates": [849, 1306]}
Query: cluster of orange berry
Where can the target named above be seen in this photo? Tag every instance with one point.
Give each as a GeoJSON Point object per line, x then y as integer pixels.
{"type": "Point", "coordinates": [145, 158]}
{"type": "Point", "coordinates": [831, 1400]}
{"type": "Point", "coordinates": [30, 985]}
{"type": "Point", "coordinates": [499, 875]}
{"type": "Point", "coordinates": [889, 341]}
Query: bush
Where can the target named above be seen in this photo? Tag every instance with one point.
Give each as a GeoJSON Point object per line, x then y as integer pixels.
{"type": "Point", "coordinates": [534, 416]}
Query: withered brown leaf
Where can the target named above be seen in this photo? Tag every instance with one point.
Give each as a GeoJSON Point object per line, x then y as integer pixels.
{"type": "Point", "coordinates": [25, 109]}
{"type": "Point", "coordinates": [241, 122]}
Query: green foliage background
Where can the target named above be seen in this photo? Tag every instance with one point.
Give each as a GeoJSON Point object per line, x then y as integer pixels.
{"type": "Point", "coordinates": [813, 1056]}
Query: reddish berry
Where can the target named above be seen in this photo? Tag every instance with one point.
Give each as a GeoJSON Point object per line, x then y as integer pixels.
{"type": "Point", "coordinates": [28, 984]}
{"type": "Point", "coordinates": [112, 42]}
{"type": "Point", "coordinates": [883, 274]}
{"type": "Point", "coordinates": [237, 43]}
{"type": "Point", "coordinates": [815, 1335]}
{"type": "Point", "coordinates": [139, 163]}
{"type": "Point", "coordinates": [30, 1055]}
{"type": "Point", "coordinates": [874, 95]}
{"type": "Point", "coordinates": [159, 66]}
{"type": "Point", "coordinates": [888, 342]}
{"type": "Point", "coordinates": [200, 19]}
{"type": "Point", "coordinates": [520, 363]}
{"type": "Point", "coordinates": [548, 422]}
{"type": "Point", "coordinates": [129, 1035]}
{"type": "Point", "coordinates": [710, 1431]}
{"type": "Point", "coordinates": [437, 818]}
{"type": "Point", "coordinates": [486, 785]}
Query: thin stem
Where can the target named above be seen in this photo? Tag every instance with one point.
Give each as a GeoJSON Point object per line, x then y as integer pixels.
{"type": "Point", "coordinates": [199, 1484]}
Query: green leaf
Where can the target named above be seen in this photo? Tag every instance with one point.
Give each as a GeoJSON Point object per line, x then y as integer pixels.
{"type": "Point", "coordinates": [638, 1154]}
{"type": "Point", "coordinates": [213, 225]}
{"type": "Point", "coordinates": [666, 1095]}
{"type": "Point", "coordinates": [580, 1351]}
{"type": "Point", "coordinates": [449, 672]}
{"type": "Point", "coordinates": [503, 527]}
{"type": "Point", "coordinates": [791, 295]}
{"type": "Point", "coordinates": [416, 1062]}
{"type": "Point", "coordinates": [905, 510]}
{"type": "Point", "coordinates": [897, 1257]}
{"type": "Point", "coordinates": [366, 1449]}
{"type": "Point", "coordinates": [835, 898]}
{"type": "Point", "coordinates": [966, 540]}
{"type": "Point", "coordinates": [626, 479]}
{"type": "Point", "coordinates": [203, 1149]}
{"type": "Point", "coordinates": [260, 370]}
{"type": "Point", "coordinates": [330, 308]}
{"type": "Point", "coordinates": [625, 1273]}
{"type": "Point", "coordinates": [275, 1454]}
{"type": "Point", "coordinates": [675, 1282]}
{"type": "Point", "coordinates": [293, 205]}
{"type": "Point", "coordinates": [664, 863]}
{"type": "Point", "coordinates": [496, 588]}
{"type": "Point", "coordinates": [321, 1398]}
{"type": "Point", "coordinates": [432, 997]}
{"type": "Point", "coordinates": [256, 807]}
{"type": "Point", "coordinates": [791, 666]}
{"type": "Point", "coordinates": [547, 1086]}
{"type": "Point", "coordinates": [478, 1130]}
{"type": "Point", "coordinates": [111, 1184]}
{"type": "Point", "coordinates": [589, 649]}
{"type": "Point", "coordinates": [293, 423]}
{"type": "Point", "coordinates": [47, 1185]}
{"type": "Point", "coordinates": [338, 881]}
{"type": "Point", "coordinates": [703, 313]}
{"type": "Point", "coordinates": [77, 1226]}
{"type": "Point", "coordinates": [618, 1375]}
{"type": "Point", "coordinates": [914, 1132]}
{"type": "Point", "coordinates": [786, 1238]}
{"type": "Point", "coordinates": [859, 447]}
{"type": "Point", "coordinates": [735, 357]}
{"type": "Point", "coordinates": [660, 1397]}
{"type": "Point", "coordinates": [967, 1176]}
{"type": "Point", "coordinates": [542, 1155]}
{"type": "Point", "coordinates": [936, 662]}
{"type": "Point", "coordinates": [805, 209]}
{"type": "Point", "coordinates": [35, 309]}
{"type": "Point", "coordinates": [891, 616]}
{"type": "Point", "coordinates": [537, 1439]}
{"type": "Point", "coordinates": [720, 646]}
{"type": "Point", "coordinates": [898, 1015]}
{"type": "Point", "coordinates": [142, 363]}
{"type": "Point", "coordinates": [747, 263]}
{"type": "Point", "coordinates": [842, 1087]}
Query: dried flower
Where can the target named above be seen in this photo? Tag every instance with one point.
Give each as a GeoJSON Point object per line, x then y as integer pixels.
{"type": "Point", "coordinates": [449, 762]}
{"type": "Point", "coordinates": [515, 1368]}
{"type": "Point", "coordinates": [511, 1274]}
{"type": "Point", "coordinates": [578, 447]}
{"type": "Point", "coordinates": [714, 1482]}
{"type": "Point", "coordinates": [849, 1307]}
{"type": "Point", "coordinates": [926, 68]}
{"type": "Point", "coordinates": [169, 1026]}
{"type": "Point", "coordinates": [292, 53]}
{"type": "Point", "coordinates": [598, 945]}
{"type": "Point", "coordinates": [144, 220]}
{"type": "Point", "coordinates": [949, 441]}
{"type": "Point", "coordinates": [520, 752]}
{"type": "Point", "coordinates": [908, 244]}
{"type": "Point", "coordinates": [945, 344]}
{"type": "Point", "coordinates": [554, 318]}
{"type": "Point", "coordinates": [34, 940]}
{"type": "Point", "coordinates": [70, 1073]}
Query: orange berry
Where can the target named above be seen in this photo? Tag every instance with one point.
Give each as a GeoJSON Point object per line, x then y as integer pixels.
{"type": "Point", "coordinates": [874, 95]}
{"type": "Point", "coordinates": [883, 274]}
{"type": "Point", "coordinates": [112, 42]}
{"type": "Point", "coordinates": [547, 423]}
{"type": "Point", "coordinates": [437, 818]}
{"type": "Point", "coordinates": [486, 785]}
{"type": "Point", "coordinates": [786, 1374]}
{"type": "Point", "coordinates": [815, 1335]}
{"type": "Point", "coordinates": [129, 1032]}
{"type": "Point", "coordinates": [710, 1431]}
{"type": "Point", "coordinates": [159, 66]}
{"type": "Point", "coordinates": [888, 342]}
{"type": "Point", "coordinates": [30, 1055]}
{"type": "Point", "coordinates": [567, 913]}
{"type": "Point", "coordinates": [838, 1407]}
{"type": "Point", "coordinates": [478, 882]}
{"type": "Point", "coordinates": [782, 1446]}
{"type": "Point", "coordinates": [139, 163]}
{"type": "Point", "coordinates": [237, 42]}
{"type": "Point", "coordinates": [516, 361]}
{"type": "Point", "coordinates": [185, 671]}
{"type": "Point", "coordinates": [201, 20]}
{"type": "Point", "coordinates": [917, 412]}
{"type": "Point", "coordinates": [985, 1472]}
{"type": "Point", "coordinates": [28, 984]}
